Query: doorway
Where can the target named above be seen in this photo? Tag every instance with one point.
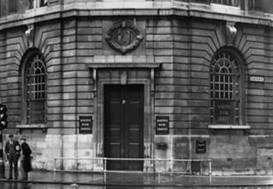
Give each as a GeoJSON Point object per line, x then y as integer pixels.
{"type": "Point", "coordinates": [123, 126]}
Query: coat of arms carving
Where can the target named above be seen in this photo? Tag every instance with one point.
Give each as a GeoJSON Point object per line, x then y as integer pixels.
{"type": "Point", "coordinates": [124, 36]}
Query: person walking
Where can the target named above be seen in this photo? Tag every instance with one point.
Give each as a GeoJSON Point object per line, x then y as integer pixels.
{"type": "Point", "coordinates": [26, 159]}
{"type": "Point", "coordinates": [12, 150]}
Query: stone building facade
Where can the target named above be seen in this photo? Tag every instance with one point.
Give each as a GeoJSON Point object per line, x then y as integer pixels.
{"type": "Point", "coordinates": [147, 79]}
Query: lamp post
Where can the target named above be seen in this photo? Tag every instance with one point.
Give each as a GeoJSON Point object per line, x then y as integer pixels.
{"type": "Point", "coordinates": [2, 166]}
{"type": "Point", "coordinates": [3, 125]}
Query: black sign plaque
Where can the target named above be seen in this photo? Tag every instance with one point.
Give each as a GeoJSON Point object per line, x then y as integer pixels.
{"type": "Point", "coordinates": [162, 125]}
{"type": "Point", "coordinates": [85, 123]}
{"type": "Point", "coordinates": [200, 146]}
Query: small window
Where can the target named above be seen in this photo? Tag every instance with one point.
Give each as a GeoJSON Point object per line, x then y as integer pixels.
{"type": "Point", "coordinates": [252, 4]}
{"type": "Point", "coordinates": [30, 4]}
{"type": "Point", "coordinates": [35, 89]}
{"type": "Point", "coordinates": [37, 3]}
{"type": "Point", "coordinates": [43, 3]}
{"type": "Point", "coordinates": [227, 2]}
{"type": "Point", "coordinates": [225, 89]}
{"type": "Point", "coordinates": [12, 4]}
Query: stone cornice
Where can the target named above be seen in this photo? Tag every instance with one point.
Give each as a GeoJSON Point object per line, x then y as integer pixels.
{"type": "Point", "coordinates": [219, 12]}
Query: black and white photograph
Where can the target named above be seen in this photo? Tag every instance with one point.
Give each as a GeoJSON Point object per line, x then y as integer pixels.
{"type": "Point", "coordinates": [136, 94]}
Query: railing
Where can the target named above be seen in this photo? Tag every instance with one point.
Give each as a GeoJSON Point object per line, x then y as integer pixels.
{"type": "Point", "coordinates": [158, 170]}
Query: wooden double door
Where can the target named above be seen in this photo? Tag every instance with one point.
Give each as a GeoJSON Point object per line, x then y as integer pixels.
{"type": "Point", "coordinates": [123, 126]}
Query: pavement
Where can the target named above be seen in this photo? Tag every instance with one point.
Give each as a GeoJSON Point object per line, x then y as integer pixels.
{"type": "Point", "coordinates": [143, 179]}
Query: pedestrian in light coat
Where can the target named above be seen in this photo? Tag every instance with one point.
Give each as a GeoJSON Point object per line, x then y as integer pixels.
{"type": "Point", "coordinates": [12, 150]}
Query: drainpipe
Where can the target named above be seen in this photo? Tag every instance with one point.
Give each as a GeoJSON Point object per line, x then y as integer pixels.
{"type": "Point", "coordinates": [190, 91]}
{"type": "Point", "coordinates": [76, 95]}
{"type": "Point", "coordinates": [62, 87]}
{"type": "Point", "coordinates": [2, 164]}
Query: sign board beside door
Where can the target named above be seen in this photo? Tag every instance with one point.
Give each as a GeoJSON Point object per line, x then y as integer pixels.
{"type": "Point", "coordinates": [85, 124]}
{"type": "Point", "coordinates": [162, 125]}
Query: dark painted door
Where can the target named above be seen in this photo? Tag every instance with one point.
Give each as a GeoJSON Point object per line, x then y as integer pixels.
{"type": "Point", "coordinates": [123, 125]}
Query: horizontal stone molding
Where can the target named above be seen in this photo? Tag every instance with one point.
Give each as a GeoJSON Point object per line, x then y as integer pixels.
{"type": "Point", "coordinates": [123, 59]}
{"type": "Point", "coordinates": [146, 8]}
{"type": "Point", "coordinates": [31, 126]}
{"type": "Point", "coordinates": [124, 65]}
{"type": "Point", "coordinates": [42, 127]}
{"type": "Point", "coordinates": [124, 62]}
{"type": "Point", "coordinates": [229, 127]}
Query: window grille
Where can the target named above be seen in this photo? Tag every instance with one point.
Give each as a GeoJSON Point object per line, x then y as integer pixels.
{"type": "Point", "coordinates": [225, 89]}
{"type": "Point", "coordinates": [35, 81]}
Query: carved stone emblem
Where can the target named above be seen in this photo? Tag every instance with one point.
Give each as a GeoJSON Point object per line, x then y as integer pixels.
{"type": "Point", "coordinates": [124, 37]}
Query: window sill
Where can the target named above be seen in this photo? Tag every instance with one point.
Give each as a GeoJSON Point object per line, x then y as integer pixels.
{"type": "Point", "coordinates": [232, 127]}
{"type": "Point", "coordinates": [43, 127]}
{"type": "Point", "coordinates": [224, 5]}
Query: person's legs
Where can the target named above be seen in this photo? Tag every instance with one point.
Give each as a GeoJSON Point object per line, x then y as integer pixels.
{"type": "Point", "coordinates": [10, 168]}
{"type": "Point", "coordinates": [15, 161]}
{"type": "Point", "coordinates": [26, 175]}
{"type": "Point", "coordinates": [23, 172]}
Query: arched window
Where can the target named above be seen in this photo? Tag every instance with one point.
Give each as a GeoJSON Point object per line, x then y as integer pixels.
{"type": "Point", "coordinates": [226, 81]}
{"type": "Point", "coordinates": [35, 89]}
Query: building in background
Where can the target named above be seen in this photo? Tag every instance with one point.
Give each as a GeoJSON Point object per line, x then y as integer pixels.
{"type": "Point", "coordinates": [162, 79]}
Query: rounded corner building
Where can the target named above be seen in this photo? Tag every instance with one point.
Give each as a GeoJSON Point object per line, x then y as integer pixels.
{"type": "Point", "coordinates": [169, 84]}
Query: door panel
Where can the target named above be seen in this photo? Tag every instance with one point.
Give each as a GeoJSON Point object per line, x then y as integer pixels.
{"type": "Point", "coordinates": [112, 132]}
{"type": "Point", "coordinates": [123, 125]}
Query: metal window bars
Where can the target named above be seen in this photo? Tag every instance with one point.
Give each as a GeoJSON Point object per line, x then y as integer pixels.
{"type": "Point", "coordinates": [224, 88]}
{"type": "Point", "coordinates": [35, 90]}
